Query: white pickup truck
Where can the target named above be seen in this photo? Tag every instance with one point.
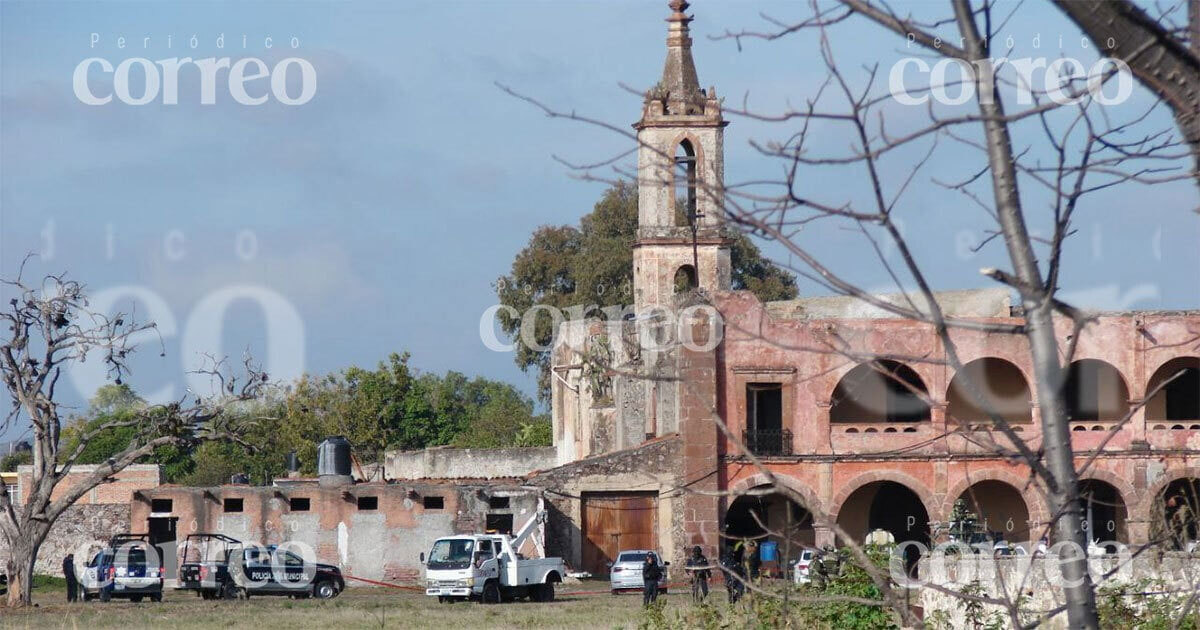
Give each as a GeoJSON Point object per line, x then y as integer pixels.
{"type": "Point", "coordinates": [487, 568]}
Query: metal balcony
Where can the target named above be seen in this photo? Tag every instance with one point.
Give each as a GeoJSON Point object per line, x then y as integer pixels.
{"type": "Point", "coordinates": [777, 442]}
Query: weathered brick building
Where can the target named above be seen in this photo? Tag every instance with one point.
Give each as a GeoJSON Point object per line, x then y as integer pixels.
{"type": "Point", "coordinates": [853, 409]}
{"type": "Point", "coordinates": [93, 519]}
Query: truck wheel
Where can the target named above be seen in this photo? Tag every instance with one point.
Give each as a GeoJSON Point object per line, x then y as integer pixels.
{"type": "Point", "coordinates": [325, 590]}
{"type": "Point", "coordinates": [545, 592]}
{"type": "Point", "coordinates": [157, 597]}
{"type": "Point", "coordinates": [229, 591]}
{"type": "Point", "coordinates": [491, 593]}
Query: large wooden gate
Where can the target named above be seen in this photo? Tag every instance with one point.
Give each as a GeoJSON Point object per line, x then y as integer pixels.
{"type": "Point", "coordinates": [614, 521]}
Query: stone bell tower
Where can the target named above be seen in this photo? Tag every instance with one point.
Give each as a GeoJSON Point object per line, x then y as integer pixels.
{"type": "Point", "coordinates": [681, 240]}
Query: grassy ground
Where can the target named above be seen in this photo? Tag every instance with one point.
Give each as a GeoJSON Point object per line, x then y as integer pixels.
{"type": "Point", "coordinates": [356, 608]}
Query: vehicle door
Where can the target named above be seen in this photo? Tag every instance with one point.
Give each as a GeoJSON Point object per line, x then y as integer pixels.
{"type": "Point", "coordinates": [257, 571]}
{"type": "Point", "coordinates": [487, 559]}
{"type": "Point", "coordinates": [295, 573]}
{"type": "Point", "coordinates": [94, 574]}
{"type": "Point", "coordinates": [129, 566]}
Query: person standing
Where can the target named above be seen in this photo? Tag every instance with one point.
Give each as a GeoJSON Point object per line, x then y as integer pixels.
{"type": "Point", "coordinates": [651, 574]}
{"type": "Point", "coordinates": [732, 564]}
{"type": "Point", "coordinates": [68, 567]}
{"type": "Point", "coordinates": [697, 566]}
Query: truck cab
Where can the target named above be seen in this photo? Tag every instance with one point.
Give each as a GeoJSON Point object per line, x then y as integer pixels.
{"type": "Point", "coordinates": [489, 568]}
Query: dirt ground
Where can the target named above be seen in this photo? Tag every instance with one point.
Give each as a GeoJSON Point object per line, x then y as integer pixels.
{"type": "Point", "coordinates": [356, 608]}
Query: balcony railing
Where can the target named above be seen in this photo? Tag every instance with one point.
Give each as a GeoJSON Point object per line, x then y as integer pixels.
{"type": "Point", "coordinates": [778, 442]}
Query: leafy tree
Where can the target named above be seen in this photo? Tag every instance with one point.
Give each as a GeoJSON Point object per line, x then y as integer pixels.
{"type": "Point", "coordinates": [113, 398]}
{"type": "Point", "coordinates": [537, 432]}
{"type": "Point", "coordinates": [565, 266]}
{"type": "Point", "coordinates": [116, 418]}
{"type": "Point", "coordinates": [10, 462]}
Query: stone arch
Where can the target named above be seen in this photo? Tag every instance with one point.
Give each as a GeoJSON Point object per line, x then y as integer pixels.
{"type": "Point", "coordinates": [1034, 501]}
{"type": "Point", "coordinates": [1160, 518]}
{"type": "Point", "coordinates": [1095, 390]}
{"type": "Point", "coordinates": [1106, 512]}
{"type": "Point", "coordinates": [1171, 475]}
{"type": "Point", "coordinates": [1178, 400]}
{"type": "Point", "coordinates": [1003, 386]}
{"type": "Point", "coordinates": [758, 480]}
{"type": "Point", "coordinates": [880, 391]}
{"type": "Point", "coordinates": [760, 511]}
{"type": "Point", "coordinates": [685, 278]}
{"type": "Point", "coordinates": [1125, 489]}
{"type": "Point", "coordinates": [923, 493]}
{"type": "Point", "coordinates": [695, 151]}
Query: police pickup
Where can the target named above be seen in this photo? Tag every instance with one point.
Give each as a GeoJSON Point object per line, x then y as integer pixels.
{"type": "Point", "coordinates": [489, 569]}
{"type": "Point", "coordinates": [219, 567]}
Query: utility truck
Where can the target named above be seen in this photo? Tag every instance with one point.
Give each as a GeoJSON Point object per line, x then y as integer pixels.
{"type": "Point", "coordinates": [488, 568]}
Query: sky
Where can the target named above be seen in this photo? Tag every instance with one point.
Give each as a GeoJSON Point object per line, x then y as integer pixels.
{"type": "Point", "coordinates": [375, 217]}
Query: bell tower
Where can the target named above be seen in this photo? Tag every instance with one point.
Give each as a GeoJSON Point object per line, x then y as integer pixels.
{"type": "Point", "coordinates": [681, 242]}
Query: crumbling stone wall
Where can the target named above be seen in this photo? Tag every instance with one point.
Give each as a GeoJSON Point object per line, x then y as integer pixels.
{"type": "Point", "coordinates": [474, 463]}
{"type": "Point", "coordinates": [77, 531]}
{"type": "Point", "coordinates": [1035, 578]}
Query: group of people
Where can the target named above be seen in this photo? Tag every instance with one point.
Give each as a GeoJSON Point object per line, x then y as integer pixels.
{"type": "Point", "coordinates": [736, 563]}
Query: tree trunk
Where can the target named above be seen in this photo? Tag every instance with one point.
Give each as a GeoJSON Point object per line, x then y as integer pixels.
{"type": "Point", "coordinates": [1063, 488]}
{"type": "Point", "coordinates": [1159, 60]}
{"type": "Point", "coordinates": [23, 554]}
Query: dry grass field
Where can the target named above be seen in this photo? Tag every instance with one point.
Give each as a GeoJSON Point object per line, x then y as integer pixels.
{"type": "Point", "coordinates": [357, 608]}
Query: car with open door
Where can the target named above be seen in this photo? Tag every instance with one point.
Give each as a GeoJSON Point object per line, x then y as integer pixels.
{"type": "Point", "coordinates": [129, 567]}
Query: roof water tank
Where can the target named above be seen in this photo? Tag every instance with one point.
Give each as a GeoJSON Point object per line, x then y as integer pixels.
{"type": "Point", "coordinates": [333, 457]}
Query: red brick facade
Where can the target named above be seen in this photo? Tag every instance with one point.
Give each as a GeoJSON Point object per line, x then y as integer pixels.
{"type": "Point", "coordinates": [831, 461]}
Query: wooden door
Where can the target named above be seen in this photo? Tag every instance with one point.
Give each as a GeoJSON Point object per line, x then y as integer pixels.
{"type": "Point", "coordinates": [613, 522]}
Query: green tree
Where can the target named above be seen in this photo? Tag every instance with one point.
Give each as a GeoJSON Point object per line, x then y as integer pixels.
{"type": "Point", "coordinates": [122, 407]}
{"type": "Point", "coordinates": [567, 266]}
{"type": "Point", "coordinates": [10, 462]}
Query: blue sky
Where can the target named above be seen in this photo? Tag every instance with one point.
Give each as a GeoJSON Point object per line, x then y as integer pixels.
{"type": "Point", "coordinates": [383, 209]}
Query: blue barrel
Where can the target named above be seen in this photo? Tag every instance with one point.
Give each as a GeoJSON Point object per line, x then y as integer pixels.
{"type": "Point", "coordinates": [768, 551]}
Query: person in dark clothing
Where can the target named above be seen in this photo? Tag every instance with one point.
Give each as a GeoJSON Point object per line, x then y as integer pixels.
{"type": "Point", "coordinates": [734, 574]}
{"type": "Point", "coordinates": [697, 568]}
{"type": "Point", "coordinates": [651, 574]}
{"type": "Point", "coordinates": [72, 583]}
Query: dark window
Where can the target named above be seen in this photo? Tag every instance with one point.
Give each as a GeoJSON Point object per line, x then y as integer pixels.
{"type": "Point", "coordinates": [765, 434]}
{"type": "Point", "coordinates": [764, 406]}
{"type": "Point", "coordinates": [233, 505]}
{"type": "Point", "coordinates": [685, 182]}
{"type": "Point", "coordinates": [161, 505]}
{"type": "Point", "coordinates": [368, 503]}
{"type": "Point", "coordinates": [499, 523]}
{"type": "Point", "coordinates": [1183, 395]}
{"type": "Point", "coordinates": [498, 503]}
{"type": "Point", "coordinates": [299, 504]}
{"type": "Point", "coordinates": [433, 503]}
{"type": "Point", "coordinates": [685, 278]}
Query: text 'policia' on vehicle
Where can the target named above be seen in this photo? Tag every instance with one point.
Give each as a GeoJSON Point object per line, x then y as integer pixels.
{"type": "Point", "coordinates": [219, 567]}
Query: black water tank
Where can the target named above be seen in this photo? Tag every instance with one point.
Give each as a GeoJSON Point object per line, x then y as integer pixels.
{"type": "Point", "coordinates": [240, 479]}
{"type": "Point", "coordinates": [333, 457]}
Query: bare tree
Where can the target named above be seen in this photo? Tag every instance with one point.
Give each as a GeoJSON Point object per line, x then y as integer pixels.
{"type": "Point", "coordinates": [1163, 51]}
{"type": "Point", "coordinates": [1084, 148]}
{"type": "Point", "coordinates": [50, 327]}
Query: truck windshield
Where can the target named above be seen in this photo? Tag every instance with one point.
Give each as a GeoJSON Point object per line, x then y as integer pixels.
{"type": "Point", "coordinates": [451, 554]}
